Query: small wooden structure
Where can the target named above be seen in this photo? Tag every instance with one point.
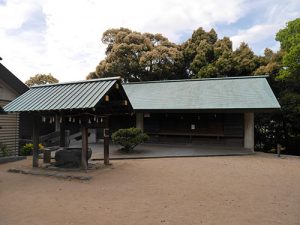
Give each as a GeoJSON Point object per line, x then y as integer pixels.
{"type": "Point", "coordinates": [87, 103]}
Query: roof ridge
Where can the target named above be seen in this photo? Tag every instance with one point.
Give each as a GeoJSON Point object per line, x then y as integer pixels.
{"type": "Point", "coordinates": [202, 79]}
{"type": "Point", "coordinates": [78, 82]}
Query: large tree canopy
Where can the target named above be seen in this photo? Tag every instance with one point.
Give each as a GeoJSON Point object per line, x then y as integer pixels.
{"type": "Point", "coordinates": [135, 56]}
{"type": "Point", "coordinates": [143, 56]}
{"type": "Point", "coordinates": [207, 56]}
{"type": "Point", "coordinates": [41, 79]}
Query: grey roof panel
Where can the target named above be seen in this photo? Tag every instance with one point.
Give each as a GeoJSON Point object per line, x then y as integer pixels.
{"type": "Point", "coordinates": [221, 93]}
{"type": "Point", "coordinates": [62, 96]}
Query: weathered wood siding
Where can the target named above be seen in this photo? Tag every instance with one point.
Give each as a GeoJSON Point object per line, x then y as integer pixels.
{"type": "Point", "coordinates": [9, 123]}
{"type": "Point", "coordinates": [9, 132]}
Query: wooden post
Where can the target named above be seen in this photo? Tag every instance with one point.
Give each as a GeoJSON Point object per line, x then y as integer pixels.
{"type": "Point", "coordinates": [84, 150]}
{"type": "Point", "coordinates": [106, 140]}
{"type": "Point", "coordinates": [62, 140]}
{"type": "Point", "coordinates": [35, 141]}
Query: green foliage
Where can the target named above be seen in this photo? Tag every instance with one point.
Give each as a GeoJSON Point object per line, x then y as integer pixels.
{"type": "Point", "coordinates": [39, 79]}
{"type": "Point", "coordinates": [289, 39]}
{"type": "Point", "coordinates": [129, 138]}
{"type": "Point", "coordinates": [4, 150]}
{"type": "Point", "coordinates": [206, 56]}
{"type": "Point", "coordinates": [284, 70]}
{"type": "Point", "coordinates": [143, 56]}
{"type": "Point", "coordinates": [27, 149]}
{"type": "Point", "coordinates": [136, 57]}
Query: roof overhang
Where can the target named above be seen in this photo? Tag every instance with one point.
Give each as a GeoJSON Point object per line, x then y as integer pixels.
{"type": "Point", "coordinates": [102, 96]}
{"type": "Point", "coordinates": [206, 110]}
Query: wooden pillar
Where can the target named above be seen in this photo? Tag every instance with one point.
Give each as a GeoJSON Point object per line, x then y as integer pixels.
{"type": "Point", "coordinates": [249, 131]}
{"type": "Point", "coordinates": [62, 140]}
{"type": "Point", "coordinates": [57, 123]}
{"type": "Point", "coordinates": [84, 150]}
{"type": "Point", "coordinates": [106, 140]}
{"type": "Point", "coordinates": [35, 141]}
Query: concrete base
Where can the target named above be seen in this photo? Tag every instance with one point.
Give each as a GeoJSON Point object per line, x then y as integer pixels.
{"type": "Point", "coordinates": [168, 150]}
{"type": "Point", "coordinates": [8, 159]}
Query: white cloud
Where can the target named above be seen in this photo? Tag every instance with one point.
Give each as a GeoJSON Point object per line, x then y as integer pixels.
{"type": "Point", "coordinates": [15, 12]}
{"type": "Point", "coordinates": [68, 43]}
{"type": "Point", "coordinates": [70, 46]}
{"type": "Point", "coordinates": [254, 34]}
{"type": "Point", "coordinates": [276, 15]}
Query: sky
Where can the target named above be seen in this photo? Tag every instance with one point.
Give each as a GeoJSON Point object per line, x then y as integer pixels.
{"type": "Point", "coordinates": [63, 37]}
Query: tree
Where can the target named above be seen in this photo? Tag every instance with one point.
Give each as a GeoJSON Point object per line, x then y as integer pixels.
{"type": "Point", "coordinates": [289, 78]}
{"type": "Point", "coordinates": [207, 56]}
{"type": "Point", "coordinates": [270, 63]}
{"type": "Point", "coordinates": [246, 60]}
{"type": "Point", "coordinates": [283, 67]}
{"type": "Point", "coordinates": [198, 51]}
{"type": "Point", "coordinates": [39, 79]}
{"type": "Point", "coordinates": [136, 57]}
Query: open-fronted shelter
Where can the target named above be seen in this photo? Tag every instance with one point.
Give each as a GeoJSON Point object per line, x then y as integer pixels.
{"type": "Point", "coordinates": [87, 103]}
{"type": "Point", "coordinates": [220, 110]}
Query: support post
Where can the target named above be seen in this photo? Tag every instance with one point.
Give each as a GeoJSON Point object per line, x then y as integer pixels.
{"type": "Point", "coordinates": [106, 140]}
{"type": "Point", "coordinates": [249, 130]}
{"type": "Point", "coordinates": [57, 123]}
{"type": "Point", "coordinates": [62, 140]}
{"type": "Point", "coordinates": [35, 141]}
{"type": "Point", "coordinates": [84, 149]}
{"type": "Point", "coordinates": [140, 121]}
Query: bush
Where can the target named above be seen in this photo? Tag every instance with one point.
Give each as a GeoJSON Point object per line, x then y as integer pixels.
{"type": "Point", "coordinates": [28, 148]}
{"type": "Point", "coordinates": [4, 150]}
{"type": "Point", "coordinates": [129, 138]}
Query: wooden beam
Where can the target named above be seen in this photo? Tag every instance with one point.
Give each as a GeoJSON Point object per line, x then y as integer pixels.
{"type": "Point", "coordinates": [84, 150]}
{"type": "Point", "coordinates": [35, 141]}
{"type": "Point", "coordinates": [106, 140]}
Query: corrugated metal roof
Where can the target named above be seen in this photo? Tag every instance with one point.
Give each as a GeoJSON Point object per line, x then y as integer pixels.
{"type": "Point", "coordinates": [218, 93]}
{"type": "Point", "coordinates": [62, 96]}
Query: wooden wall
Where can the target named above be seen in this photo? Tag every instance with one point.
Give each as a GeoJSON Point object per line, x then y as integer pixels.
{"type": "Point", "coordinates": [9, 131]}
{"type": "Point", "coordinates": [9, 123]}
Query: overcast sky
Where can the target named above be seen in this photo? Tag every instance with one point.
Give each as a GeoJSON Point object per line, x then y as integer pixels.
{"type": "Point", "coordinates": [63, 37]}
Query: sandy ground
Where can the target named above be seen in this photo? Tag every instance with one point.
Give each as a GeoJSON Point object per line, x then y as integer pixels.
{"type": "Point", "coordinates": [238, 190]}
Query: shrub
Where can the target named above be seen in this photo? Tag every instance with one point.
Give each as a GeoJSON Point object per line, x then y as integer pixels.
{"type": "Point", "coordinates": [129, 138]}
{"type": "Point", "coordinates": [4, 150]}
{"type": "Point", "coordinates": [28, 148]}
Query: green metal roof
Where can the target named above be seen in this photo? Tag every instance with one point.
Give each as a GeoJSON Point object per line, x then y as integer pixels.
{"type": "Point", "coordinates": [236, 93]}
{"type": "Point", "coordinates": [62, 96]}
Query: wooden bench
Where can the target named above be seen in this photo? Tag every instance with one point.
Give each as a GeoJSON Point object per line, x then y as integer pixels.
{"type": "Point", "coordinates": [191, 135]}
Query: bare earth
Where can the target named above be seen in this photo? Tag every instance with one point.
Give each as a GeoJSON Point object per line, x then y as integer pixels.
{"type": "Point", "coordinates": [240, 190]}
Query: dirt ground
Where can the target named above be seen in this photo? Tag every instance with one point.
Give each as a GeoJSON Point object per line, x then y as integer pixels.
{"type": "Point", "coordinates": [258, 189]}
